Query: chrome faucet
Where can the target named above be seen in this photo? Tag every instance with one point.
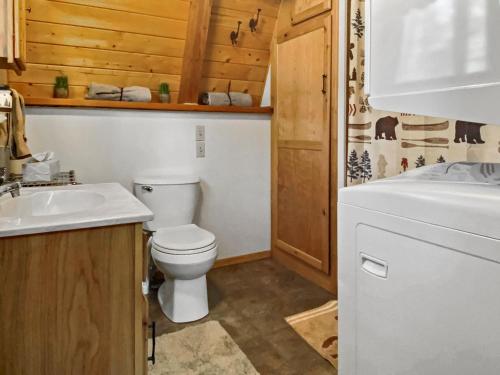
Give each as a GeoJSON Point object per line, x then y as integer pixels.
{"type": "Point", "coordinates": [14, 188]}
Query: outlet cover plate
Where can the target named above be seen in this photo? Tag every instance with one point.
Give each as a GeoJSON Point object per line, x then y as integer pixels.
{"type": "Point", "coordinates": [200, 149]}
{"type": "Point", "coordinates": [200, 132]}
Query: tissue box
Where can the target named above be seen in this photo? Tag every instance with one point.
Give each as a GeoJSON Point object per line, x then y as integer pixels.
{"type": "Point", "coordinates": [41, 171]}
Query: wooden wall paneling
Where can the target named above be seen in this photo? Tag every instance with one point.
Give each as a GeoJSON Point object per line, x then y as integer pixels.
{"type": "Point", "coordinates": [220, 35]}
{"type": "Point", "coordinates": [102, 18]}
{"type": "Point", "coordinates": [117, 42]}
{"type": "Point", "coordinates": [95, 58]}
{"type": "Point", "coordinates": [253, 88]}
{"type": "Point", "coordinates": [38, 80]}
{"type": "Point", "coordinates": [41, 73]}
{"type": "Point", "coordinates": [269, 8]}
{"type": "Point", "coordinates": [79, 36]}
{"type": "Point", "coordinates": [212, 69]}
{"type": "Point", "coordinates": [45, 91]}
{"type": "Point", "coordinates": [240, 55]}
{"type": "Point", "coordinates": [228, 17]}
{"type": "Point", "coordinates": [125, 42]}
{"type": "Point", "coordinates": [249, 60]}
{"type": "Point", "coordinates": [3, 76]}
{"type": "Point", "coordinates": [194, 52]}
{"type": "Point", "coordinates": [175, 9]}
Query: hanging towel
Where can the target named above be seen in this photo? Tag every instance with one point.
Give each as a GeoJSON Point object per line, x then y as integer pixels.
{"type": "Point", "coordinates": [20, 149]}
{"type": "Point", "coordinates": [239, 99]}
{"type": "Point", "coordinates": [13, 131]}
{"type": "Point", "coordinates": [102, 91]}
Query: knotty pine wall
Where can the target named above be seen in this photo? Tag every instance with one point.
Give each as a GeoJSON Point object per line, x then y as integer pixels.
{"type": "Point", "coordinates": [246, 65]}
{"type": "Point", "coordinates": [130, 42]}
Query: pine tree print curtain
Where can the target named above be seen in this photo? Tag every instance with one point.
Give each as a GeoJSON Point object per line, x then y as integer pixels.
{"type": "Point", "coordinates": [382, 144]}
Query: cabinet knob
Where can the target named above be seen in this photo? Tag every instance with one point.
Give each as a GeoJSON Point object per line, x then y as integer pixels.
{"type": "Point", "coordinates": [28, 10]}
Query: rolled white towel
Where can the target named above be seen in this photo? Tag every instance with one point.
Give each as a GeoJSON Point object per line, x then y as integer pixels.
{"type": "Point", "coordinates": [215, 98]}
{"type": "Point", "coordinates": [109, 92]}
{"type": "Point", "coordinates": [239, 99]}
{"type": "Point", "coordinates": [103, 91]}
{"type": "Point", "coordinates": [136, 94]}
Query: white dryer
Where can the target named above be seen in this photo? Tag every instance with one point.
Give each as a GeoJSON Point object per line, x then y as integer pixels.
{"type": "Point", "coordinates": [419, 273]}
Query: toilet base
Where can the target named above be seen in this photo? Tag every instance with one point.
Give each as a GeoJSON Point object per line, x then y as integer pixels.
{"type": "Point", "coordinates": [184, 301]}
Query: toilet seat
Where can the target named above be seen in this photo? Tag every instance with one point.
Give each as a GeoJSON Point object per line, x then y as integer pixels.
{"type": "Point", "coordinates": [183, 240]}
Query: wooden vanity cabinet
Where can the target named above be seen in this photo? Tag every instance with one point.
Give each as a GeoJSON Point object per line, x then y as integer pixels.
{"type": "Point", "coordinates": [71, 302]}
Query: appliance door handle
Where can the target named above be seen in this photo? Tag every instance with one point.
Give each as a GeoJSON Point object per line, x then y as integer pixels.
{"type": "Point", "coordinates": [374, 266]}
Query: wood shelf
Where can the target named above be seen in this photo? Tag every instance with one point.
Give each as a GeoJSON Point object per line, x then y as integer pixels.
{"type": "Point", "coordinates": [84, 103]}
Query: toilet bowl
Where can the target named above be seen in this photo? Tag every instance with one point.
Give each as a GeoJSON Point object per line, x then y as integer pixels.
{"type": "Point", "coordinates": [182, 251]}
{"type": "Point", "coordinates": [184, 254]}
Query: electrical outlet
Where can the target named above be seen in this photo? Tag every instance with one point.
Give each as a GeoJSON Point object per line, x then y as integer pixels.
{"type": "Point", "coordinates": [200, 133]}
{"type": "Point", "coordinates": [200, 149]}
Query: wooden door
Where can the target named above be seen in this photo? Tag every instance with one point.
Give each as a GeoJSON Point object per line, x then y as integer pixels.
{"type": "Point", "coordinates": [305, 9]}
{"type": "Point", "coordinates": [302, 145]}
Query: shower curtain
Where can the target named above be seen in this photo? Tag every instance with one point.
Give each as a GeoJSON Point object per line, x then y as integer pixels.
{"type": "Point", "coordinates": [382, 144]}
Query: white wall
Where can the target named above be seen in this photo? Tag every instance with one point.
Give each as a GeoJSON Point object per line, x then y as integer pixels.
{"type": "Point", "coordinates": [116, 145]}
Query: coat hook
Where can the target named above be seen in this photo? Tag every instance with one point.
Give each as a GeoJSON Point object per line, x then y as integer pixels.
{"type": "Point", "coordinates": [235, 34]}
{"type": "Point", "coordinates": [254, 22]}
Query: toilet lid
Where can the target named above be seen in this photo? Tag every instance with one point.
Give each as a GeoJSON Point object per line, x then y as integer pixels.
{"type": "Point", "coordinates": [183, 238]}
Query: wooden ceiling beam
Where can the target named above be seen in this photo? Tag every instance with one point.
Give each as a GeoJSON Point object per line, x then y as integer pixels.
{"type": "Point", "coordinates": [200, 12]}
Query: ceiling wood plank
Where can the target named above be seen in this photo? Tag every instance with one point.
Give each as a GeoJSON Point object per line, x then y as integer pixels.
{"type": "Point", "coordinates": [194, 52]}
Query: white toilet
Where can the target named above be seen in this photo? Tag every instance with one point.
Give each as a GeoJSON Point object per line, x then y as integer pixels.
{"type": "Point", "coordinates": [182, 251]}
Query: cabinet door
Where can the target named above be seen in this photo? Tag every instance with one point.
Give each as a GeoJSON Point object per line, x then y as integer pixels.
{"type": "Point", "coordinates": [302, 146]}
{"type": "Point", "coordinates": [20, 33]}
{"type": "Point", "coordinates": [305, 9]}
{"type": "Point", "coordinates": [13, 35]}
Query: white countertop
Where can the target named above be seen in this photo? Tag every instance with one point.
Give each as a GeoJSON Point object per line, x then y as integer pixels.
{"type": "Point", "coordinates": [118, 206]}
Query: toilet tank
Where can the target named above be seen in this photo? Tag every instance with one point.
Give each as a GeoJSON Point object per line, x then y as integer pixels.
{"type": "Point", "coordinates": [172, 198]}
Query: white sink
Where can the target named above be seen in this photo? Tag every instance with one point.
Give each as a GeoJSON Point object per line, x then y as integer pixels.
{"type": "Point", "coordinates": [47, 203]}
{"type": "Point", "coordinates": [51, 209]}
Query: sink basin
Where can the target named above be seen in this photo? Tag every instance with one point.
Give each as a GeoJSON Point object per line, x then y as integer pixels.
{"type": "Point", "coordinates": [48, 203]}
{"type": "Point", "coordinates": [69, 207]}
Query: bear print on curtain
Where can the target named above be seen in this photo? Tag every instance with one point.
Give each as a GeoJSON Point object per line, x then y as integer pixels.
{"type": "Point", "coordinates": [383, 144]}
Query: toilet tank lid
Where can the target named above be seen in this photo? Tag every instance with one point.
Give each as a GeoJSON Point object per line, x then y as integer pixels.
{"type": "Point", "coordinates": [178, 179]}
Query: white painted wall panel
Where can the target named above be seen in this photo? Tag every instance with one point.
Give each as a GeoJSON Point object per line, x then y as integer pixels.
{"type": "Point", "coordinates": [116, 145]}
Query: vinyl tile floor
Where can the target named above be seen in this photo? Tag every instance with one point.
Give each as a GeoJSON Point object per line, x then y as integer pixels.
{"type": "Point", "coordinates": [251, 301]}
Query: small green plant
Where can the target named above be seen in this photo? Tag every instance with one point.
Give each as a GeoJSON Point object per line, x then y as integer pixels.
{"type": "Point", "coordinates": [61, 88]}
{"type": "Point", "coordinates": [62, 82]}
{"type": "Point", "coordinates": [164, 88]}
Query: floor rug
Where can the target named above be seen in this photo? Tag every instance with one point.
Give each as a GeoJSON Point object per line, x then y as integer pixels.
{"type": "Point", "coordinates": [319, 327]}
{"type": "Point", "coordinates": [202, 349]}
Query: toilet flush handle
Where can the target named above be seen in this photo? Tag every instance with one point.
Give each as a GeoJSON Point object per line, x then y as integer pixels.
{"type": "Point", "coordinates": [147, 188]}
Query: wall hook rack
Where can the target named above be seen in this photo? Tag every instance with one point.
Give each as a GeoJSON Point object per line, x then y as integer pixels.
{"type": "Point", "coordinates": [254, 21]}
{"type": "Point", "coordinates": [235, 35]}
